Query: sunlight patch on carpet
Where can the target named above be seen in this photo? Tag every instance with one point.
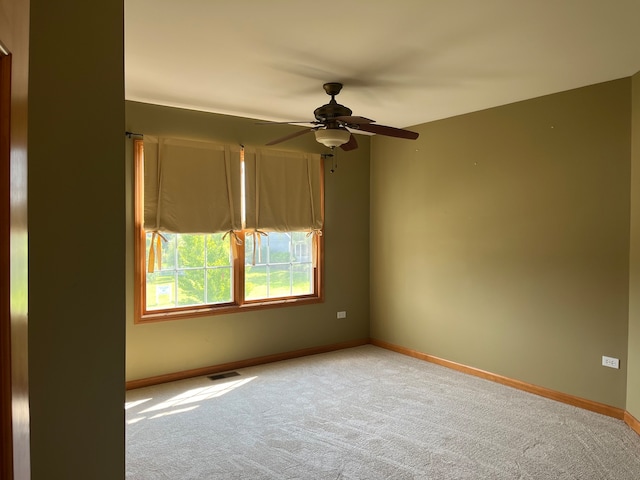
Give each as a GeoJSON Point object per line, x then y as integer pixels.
{"type": "Point", "coordinates": [199, 394]}
{"type": "Point", "coordinates": [129, 405]}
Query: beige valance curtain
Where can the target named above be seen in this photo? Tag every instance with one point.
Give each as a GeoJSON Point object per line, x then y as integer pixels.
{"type": "Point", "coordinates": [196, 187]}
{"type": "Point", "coordinates": [191, 186]}
{"type": "Point", "coordinates": [283, 191]}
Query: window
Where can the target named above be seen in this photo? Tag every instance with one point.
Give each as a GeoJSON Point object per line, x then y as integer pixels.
{"type": "Point", "coordinates": [284, 270]}
{"type": "Point", "coordinates": [181, 275]}
{"type": "Point", "coordinates": [195, 270]}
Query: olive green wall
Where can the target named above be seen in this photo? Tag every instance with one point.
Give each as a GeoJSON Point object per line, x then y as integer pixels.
{"type": "Point", "coordinates": [633, 376]}
{"type": "Point", "coordinates": [76, 221]}
{"type": "Point", "coordinates": [174, 346]}
{"type": "Point", "coordinates": [500, 240]}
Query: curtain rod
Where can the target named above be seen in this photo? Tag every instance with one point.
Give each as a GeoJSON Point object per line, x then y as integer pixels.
{"type": "Point", "coordinates": [131, 134]}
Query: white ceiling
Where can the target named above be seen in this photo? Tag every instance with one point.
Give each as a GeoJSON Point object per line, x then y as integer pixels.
{"type": "Point", "coordinates": [402, 62]}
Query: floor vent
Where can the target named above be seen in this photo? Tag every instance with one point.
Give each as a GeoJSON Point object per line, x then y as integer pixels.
{"type": "Point", "coordinates": [220, 376]}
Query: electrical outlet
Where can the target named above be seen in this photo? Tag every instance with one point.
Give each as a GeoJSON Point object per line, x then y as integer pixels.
{"type": "Point", "coordinates": [342, 315]}
{"type": "Point", "coordinates": [610, 362]}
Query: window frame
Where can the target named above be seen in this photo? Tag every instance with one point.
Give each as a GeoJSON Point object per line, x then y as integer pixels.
{"type": "Point", "coordinates": [239, 303]}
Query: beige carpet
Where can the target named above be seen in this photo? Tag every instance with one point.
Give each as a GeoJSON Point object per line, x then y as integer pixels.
{"type": "Point", "coordinates": [366, 413]}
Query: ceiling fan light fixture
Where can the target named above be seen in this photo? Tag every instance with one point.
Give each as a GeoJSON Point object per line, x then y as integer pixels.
{"type": "Point", "coordinates": [332, 137]}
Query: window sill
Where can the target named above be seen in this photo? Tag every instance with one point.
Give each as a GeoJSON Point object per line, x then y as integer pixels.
{"type": "Point", "coordinates": [208, 311]}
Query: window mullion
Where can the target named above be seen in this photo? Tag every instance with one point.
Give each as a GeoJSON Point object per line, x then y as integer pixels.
{"type": "Point", "coordinates": [290, 264]}
{"type": "Point", "coordinates": [206, 271]}
{"type": "Point", "coordinates": [238, 266]}
{"type": "Point", "coordinates": [268, 268]}
{"type": "Point", "coordinates": [175, 262]}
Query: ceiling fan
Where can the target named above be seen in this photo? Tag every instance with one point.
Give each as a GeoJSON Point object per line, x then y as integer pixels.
{"type": "Point", "coordinates": [334, 124]}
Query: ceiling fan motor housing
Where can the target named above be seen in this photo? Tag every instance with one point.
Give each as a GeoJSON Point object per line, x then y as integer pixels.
{"type": "Point", "coordinates": [326, 113]}
{"type": "Point", "coordinates": [331, 110]}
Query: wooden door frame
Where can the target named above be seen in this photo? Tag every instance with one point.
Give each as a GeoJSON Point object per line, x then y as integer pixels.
{"type": "Point", "coordinates": [6, 455]}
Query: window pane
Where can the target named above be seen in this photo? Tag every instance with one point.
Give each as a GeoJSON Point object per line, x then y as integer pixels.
{"type": "Point", "coordinates": [161, 291]}
{"type": "Point", "coordinates": [190, 287]}
{"type": "Point", "coordinates": [286, 269]}
{"type": "Point", "coordinates": [279, 281]}
{"type": "Point", "coordinates": [261, 252]}
{"type": "Point", "coordinates": [191, 251]}
{"type": "Point", "coordinates": [248, 248]}
{"type": "Point", "coordinates": [184, 279]}
{"type": "Point", "coordinates": [279, 247]}
{"type": "Point", "coordinates": [219, 285]}
{"type": "Point", "coordinates": [218, 251]}
{"type": "Point", "coordinates": [255, 282]}
{"type": "Point", "coordinates": [302, 244]}
{"type": "Point", "coordinates": [302, 279]}
{"type": "Point", "coordinates": [168, 250]}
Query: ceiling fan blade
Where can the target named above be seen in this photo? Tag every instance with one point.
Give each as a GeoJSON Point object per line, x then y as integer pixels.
{"type": "Point", "coordinates": [310, 122]}
{"type": "Point", "coordinates": [355, 120]}
{"type": "Point", "coordinates": [388, 131]}
{"type": "Point", "coordinates": [290, 136]}
{"type": "Point", "coordinates": [352, 144]}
